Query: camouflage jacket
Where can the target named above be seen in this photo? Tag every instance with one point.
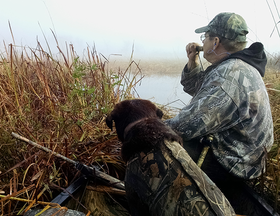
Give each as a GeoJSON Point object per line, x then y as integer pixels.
{"type": "Point", "coordinates": [165, 182]}
{"type": "Point", "coordinates": [230, 102]}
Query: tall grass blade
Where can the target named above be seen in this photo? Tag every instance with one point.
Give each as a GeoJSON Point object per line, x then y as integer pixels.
{"type": "Point", "coordinates": [45, 39]}
{"type": "Point", "coordinates": [11, 32]}
{"type": "Point", "coordinates": [276, 8]}
{"type": "Point", "coordinates": [275, 23]}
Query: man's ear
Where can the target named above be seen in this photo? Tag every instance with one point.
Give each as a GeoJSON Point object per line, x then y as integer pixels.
{"type": "Point", "coordinates": [109, 121]}
{"type": "Point", "coordinates": [216, 42]}
{"type": "Point", "coordinates": [159, 113]}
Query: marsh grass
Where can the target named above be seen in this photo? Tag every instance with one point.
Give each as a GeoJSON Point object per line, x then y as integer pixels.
{"type": "Point", "coordinates": [60, 104]}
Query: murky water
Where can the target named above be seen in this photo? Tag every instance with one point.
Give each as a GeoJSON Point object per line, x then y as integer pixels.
{"type": "Point", "coordinates": [163, 89]}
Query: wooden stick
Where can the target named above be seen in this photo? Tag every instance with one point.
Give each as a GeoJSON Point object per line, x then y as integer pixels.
{"type": "Point", "coordinates": [101, 175]}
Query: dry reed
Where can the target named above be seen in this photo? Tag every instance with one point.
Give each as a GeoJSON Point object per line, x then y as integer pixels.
{"type": "Point", "coordinates": [60, 104]}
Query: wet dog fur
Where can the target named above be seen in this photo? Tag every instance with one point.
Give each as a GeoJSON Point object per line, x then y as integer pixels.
{"type": "Point", "coordinates": [148, 118]}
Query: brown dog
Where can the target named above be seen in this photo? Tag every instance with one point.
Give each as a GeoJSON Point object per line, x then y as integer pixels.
{"type": "Point", "coordinates": [155, 181]}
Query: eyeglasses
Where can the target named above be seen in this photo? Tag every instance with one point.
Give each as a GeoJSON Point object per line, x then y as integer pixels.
{"type": "Point", "coordinates": [203, 37]}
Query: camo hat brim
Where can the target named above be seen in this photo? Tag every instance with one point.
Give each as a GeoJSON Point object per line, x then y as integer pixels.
{"type": "Point", "coordinates": [228, 25]}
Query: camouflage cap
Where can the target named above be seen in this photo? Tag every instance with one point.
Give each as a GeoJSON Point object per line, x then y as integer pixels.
{"type": "Point", "coordinates": [229, 25]}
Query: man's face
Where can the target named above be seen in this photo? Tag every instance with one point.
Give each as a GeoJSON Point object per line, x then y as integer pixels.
{"type": "Point", "coordinates": [208, 46]}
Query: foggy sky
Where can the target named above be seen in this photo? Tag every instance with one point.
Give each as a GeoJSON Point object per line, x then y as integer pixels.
{"type": "Point", "coordinates": [155, 28]}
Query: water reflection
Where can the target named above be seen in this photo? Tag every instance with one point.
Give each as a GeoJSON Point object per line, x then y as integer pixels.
{"type": "Point", "coordinates": [163, 89]}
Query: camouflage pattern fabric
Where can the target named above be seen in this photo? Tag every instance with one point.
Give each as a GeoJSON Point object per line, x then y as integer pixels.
{"type": "Point", "coordinates": [230, 102]}
{"type": "Point", "coordinates": [160, 182]}
{"type": "Point", "coordinates": [228, 25]}
{"type": "Point", "coordinates": [53, 211]}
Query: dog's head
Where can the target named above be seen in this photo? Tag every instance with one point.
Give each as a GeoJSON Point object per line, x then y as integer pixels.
{"type": "Point", "coordinates": [129, 111]}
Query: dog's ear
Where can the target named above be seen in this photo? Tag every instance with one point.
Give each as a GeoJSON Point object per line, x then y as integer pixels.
{"type": "Point", "coordinates": [159, 113]}
{"type": "Point", "coordinates": [109, 121]}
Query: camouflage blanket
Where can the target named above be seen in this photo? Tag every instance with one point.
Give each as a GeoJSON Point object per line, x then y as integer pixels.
{"type": "Point", "coordinates": [170, 183]}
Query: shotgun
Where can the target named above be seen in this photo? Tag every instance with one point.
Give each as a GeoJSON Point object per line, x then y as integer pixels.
{"type": "Point", "coordinates": [87, 170]}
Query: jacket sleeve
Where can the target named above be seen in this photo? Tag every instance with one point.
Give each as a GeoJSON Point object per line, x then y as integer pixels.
{"type": "Point", "coordinates": [210, 111]}
{"type": "Point", "coordinates": [208, 114]}
{"type": "Point", "coordinates": [192, 80]}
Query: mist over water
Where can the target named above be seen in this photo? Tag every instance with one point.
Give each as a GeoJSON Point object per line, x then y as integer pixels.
{"type": "Point", "coordinates": [163, 89]}
{"type": "Point", "coordinates": [160, 81]}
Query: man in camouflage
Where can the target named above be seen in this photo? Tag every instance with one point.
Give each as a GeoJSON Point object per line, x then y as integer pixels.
{"type": "Point", "coordinates": [230, 102]}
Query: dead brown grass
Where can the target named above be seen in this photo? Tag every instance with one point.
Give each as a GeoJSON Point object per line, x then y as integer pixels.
{"type": "Point", "coordinates": [60, 104]}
